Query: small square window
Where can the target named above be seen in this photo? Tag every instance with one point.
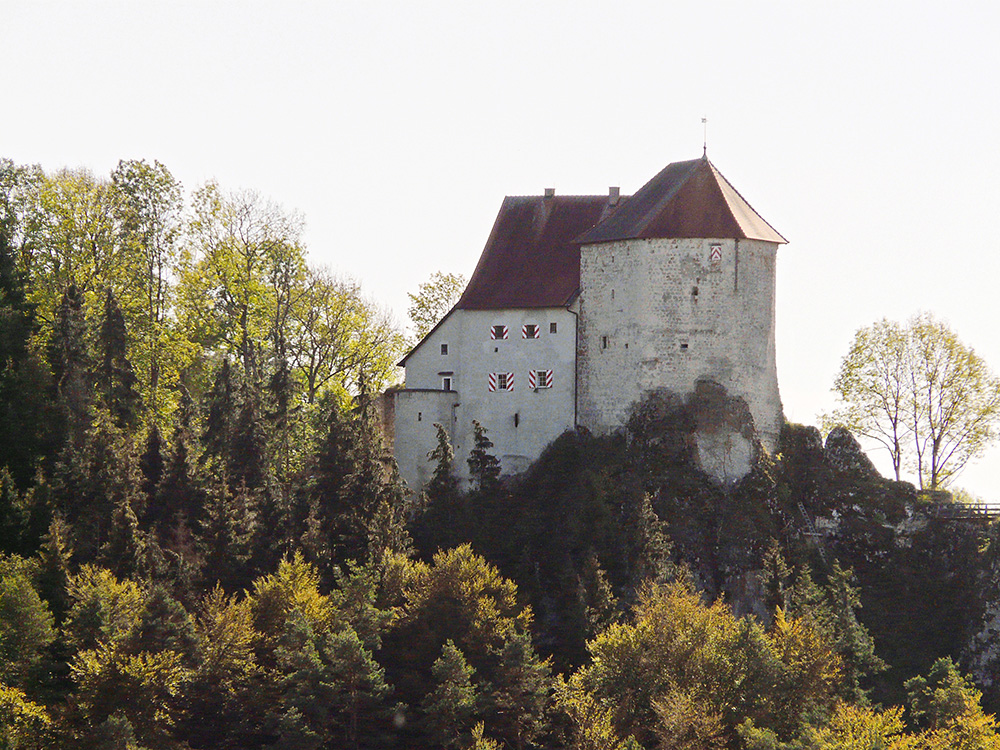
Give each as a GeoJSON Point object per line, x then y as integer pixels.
{"type": "Point", "coordinates": [502, 381]}
{"type": "Point", "coordinates": [553, 328]}
{"type": "Point", "coordinates": [444, 348]}
{"type": "Point", "coordinates": [498, 332]}
{"type": "Point", "coordinates": [540, 379]}
{"type": "Point", "coordinates": [529, 331]}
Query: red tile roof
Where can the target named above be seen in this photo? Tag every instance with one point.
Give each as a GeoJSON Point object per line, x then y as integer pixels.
{"type": "Point", "coordinates": [686, 199]}
{"type": "Point", "coordinates": [532, 258]}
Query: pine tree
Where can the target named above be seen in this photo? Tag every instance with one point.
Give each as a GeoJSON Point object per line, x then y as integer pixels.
{"type": "Point", "coordinates": [247, 453]}
{"type": "Point", "coordinates": [178, 500]}
{"type": "Point", "coordinates": [228, 535]}
{"type": "Point", "coordinates": [151, 465]}
{"type": "Point", "coordinates": [54, 557]}
{"type": "Point", "coordinates": [448, 710]}
{"type": "Point", "coordinates": [220, 411]}
{"type": "Point", "coordinates": [124, 550]}
{"type": "Point", "coordinates": [484, 467]}
{"type": "Point", "coordinates": [370, 512]}
{"type": "Point", "coordinates": [25, 410]}
{"type": "Point", "coordinates": [116, 380]}
{"type": "Point", "coordinates": [70, 360]}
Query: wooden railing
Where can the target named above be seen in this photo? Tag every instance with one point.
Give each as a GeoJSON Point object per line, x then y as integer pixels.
{"type": "Point", "coordinates": [970, 511]}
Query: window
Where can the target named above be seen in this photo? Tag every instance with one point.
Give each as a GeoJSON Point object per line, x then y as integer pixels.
{"type": "Point", "coordinates": [501, 381]}
{"type": "Point", "coordinates": [529, 331]}
{"type": "Point", "coordinates": [445, 384]}
{"type": "Point", "coordinates": [444, 348]}
{"type": "Point", "coordinates": [498, 332]}
{"type": "Point", "coordinates": [539, 379]}
{"type": "Point", "coordinates": [553, 328]}
{"type": "Point", "coordinates": [604, 342]}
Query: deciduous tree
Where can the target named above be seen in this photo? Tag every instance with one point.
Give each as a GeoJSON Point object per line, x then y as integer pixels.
{"type": "Point", "coordinates": [922, 394]}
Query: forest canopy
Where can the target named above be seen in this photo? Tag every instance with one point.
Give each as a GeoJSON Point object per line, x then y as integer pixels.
{"type": "Point", "coordinates": [204, 542]}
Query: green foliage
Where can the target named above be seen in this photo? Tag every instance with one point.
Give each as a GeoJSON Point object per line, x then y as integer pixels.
{"type": "Point", "coordinates": [922, 394]}
{"type": "Point", "coordinates": [484, 467]}
{"type": "Point", "coordinates": [432, 301]}
{"type": "Point", "coordinates": [26, 625]}
{"type": "Point", "coordinates": [726, 669]}
{"type": "Point", "coordinates": [449, 708]}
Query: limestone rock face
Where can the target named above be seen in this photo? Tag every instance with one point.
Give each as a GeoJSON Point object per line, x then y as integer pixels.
{"type": "Point", "coordinates": [843, 452]}
{"type": "Point", "coordinates": [727, 443]}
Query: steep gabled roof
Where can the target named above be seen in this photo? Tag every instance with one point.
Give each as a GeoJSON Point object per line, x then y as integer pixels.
{"type": "Point", "coordinates": [686, 199]}
{"type": "Point", "coordinates": [531, 258]}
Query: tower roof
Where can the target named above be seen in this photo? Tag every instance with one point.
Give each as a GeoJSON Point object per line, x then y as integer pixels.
{"type": "Point", "coordinates": [687, 199]}
{"type": "Point", "coordinates": [532, 258]}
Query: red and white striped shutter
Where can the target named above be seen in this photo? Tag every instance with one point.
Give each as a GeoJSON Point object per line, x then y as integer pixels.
{"type": "Point", "coordinates": [510, 381]}
{"type": "Point", "coordinates": [493, 332]}
{"type": "Point", "coordinates": [548, 378]}
{"type": "Point", "coordinates": [493, 382]}
{"type": "Point", "coordinates": [532, 379]}
{"type": "Point", "coordinates": [524, 332]}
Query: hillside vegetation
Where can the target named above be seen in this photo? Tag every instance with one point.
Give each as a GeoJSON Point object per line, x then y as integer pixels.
{"type": "Point", "coordinates": [204, 544]}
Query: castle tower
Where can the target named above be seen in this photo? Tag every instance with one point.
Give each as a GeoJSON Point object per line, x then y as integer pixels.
{"type": "Point", "coordinates": [676, 287]}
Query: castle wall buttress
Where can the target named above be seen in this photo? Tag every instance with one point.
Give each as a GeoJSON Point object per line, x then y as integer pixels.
{"type": "Point", "coordinates": [663, 313]}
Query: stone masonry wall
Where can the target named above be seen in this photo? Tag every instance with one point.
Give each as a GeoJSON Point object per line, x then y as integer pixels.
{"type": "Point", "coordinates": [665, 313]}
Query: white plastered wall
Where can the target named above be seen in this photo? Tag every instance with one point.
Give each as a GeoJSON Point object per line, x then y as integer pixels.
{"type": "Point", "coordinates": [520, 422]}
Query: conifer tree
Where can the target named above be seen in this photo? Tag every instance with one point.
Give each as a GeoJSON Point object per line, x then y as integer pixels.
{"type": "Point", "coordinates": [450, 707]}
{"type": "Point", "coordinates": [247, 453]}
{"type": "Point", "coordinates": [178, 499]}
{"type": "Point", "coordinates": [124, 550]}
{"type": "Point", "coordinates": [228, 535]}
{"type": "Point", "coordinates": [220, 412]}
{"type": "Point", "coordinates": [151, 465]}
{"type": "Point", "coordinates": [70, 360]}
{"type": "Point", "coordinates": [54, 572]}
{"type": "Point", "coordinates": [91, 481]}
{"type": "Point", "coordinates": [116, 379]}
{"type": "Point", "coordinates": [484, 467]}
{"type": "Point", "coordinates": [25, 410]}
{"type": "Point", "coordinates": [371, 499]}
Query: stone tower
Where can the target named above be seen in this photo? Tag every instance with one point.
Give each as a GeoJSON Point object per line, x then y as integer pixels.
{"type": "Point", "coordinates": [676, 293]}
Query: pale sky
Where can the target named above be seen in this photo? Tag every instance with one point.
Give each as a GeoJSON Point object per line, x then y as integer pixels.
{"type": "Point", "coordinates": [865, 132]}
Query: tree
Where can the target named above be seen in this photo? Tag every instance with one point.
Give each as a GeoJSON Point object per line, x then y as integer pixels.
{"type": "Point", "coordinates": [247, 252]}
{"type": "Point", "coordinates": [872, 383]}
{"type": "Point", "coordinates": [484, 467]}
{"type": "Point", "coordinates": [26, 626]}
{"type": "Point", "coordinates": [150, 207]}
{"type": "Point", "coordinates": [448, 709]}
{"type": "Point", "coordinates": [336, 337]}
{"type": "Point", "coordinates": [920, 393]}
{"type": "Point", "coordinates": [434, 298]}
{"type": "Point", "coordinates": [116, 380]}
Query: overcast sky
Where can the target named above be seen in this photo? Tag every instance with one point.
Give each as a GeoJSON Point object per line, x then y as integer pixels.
{"type": "Point", "coordinates": [865, 132]}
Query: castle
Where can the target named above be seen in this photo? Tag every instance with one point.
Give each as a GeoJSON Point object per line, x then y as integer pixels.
{"type": "Point", "coordinates": [582, 305]}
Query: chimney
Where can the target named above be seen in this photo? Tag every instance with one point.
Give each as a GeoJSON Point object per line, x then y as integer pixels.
{"type": "Point", "coordinates": [614, 192]}
{"type": "Point", "coordinates": [549, 192]}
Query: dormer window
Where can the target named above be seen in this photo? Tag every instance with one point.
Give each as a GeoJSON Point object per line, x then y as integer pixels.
{"type": "Point", "coordinates": [529, 331]}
